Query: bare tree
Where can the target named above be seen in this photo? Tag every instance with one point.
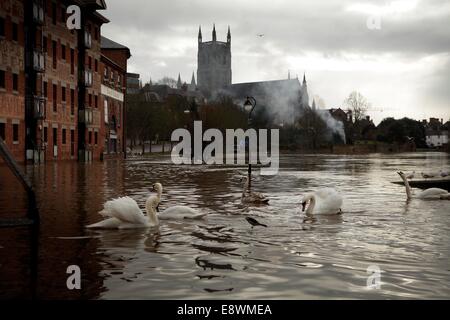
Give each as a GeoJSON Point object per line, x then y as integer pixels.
{"type": "Point", "coordinates": [168, 81]}
{"type": "Point", "coordinates": [358, 104]}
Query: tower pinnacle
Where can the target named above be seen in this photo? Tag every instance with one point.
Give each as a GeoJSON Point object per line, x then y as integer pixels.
{"type": "Point", "coordinates": [214, 33]}
{"type": "Point", "coordinates": [179, 82]}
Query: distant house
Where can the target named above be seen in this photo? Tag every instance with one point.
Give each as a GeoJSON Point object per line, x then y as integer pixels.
{"type": "Point", "coordinates": [341, 115]}
{"type": "Point", "coordinates": [436, 133]}
{"type": "Point", "coordinates": [160, 92]}
{"type": "Point", "coordinates": [133, 83]}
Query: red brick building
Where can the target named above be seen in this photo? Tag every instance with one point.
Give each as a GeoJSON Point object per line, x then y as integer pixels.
{"type": "Point", "coordinates": [113, 89]}
{"type": "Point", "coordinates": [12, 76]}
{"type": "Point", "coordinates": [51, 78]}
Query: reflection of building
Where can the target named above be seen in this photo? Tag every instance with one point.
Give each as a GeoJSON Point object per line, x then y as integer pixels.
{"type": "Point", "coordinates": [113, 89]}
{"type": "Point", "coordinates": [50, 81]}
{"type": "Point", "coordinates": [436, 133]}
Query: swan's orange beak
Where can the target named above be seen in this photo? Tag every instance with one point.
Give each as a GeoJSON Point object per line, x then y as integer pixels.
{"type": "Point", "coordinates": [303, 206]}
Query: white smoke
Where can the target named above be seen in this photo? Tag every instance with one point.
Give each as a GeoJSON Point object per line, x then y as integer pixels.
{"type": "Point", "coordinates": [335, 126]}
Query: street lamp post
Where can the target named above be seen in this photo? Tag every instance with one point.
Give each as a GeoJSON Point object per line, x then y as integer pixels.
{"type": "Point", "coordinates": [249, 106]}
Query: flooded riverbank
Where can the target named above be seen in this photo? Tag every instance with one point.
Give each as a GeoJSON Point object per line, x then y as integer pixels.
{"type": "Point", "coordinates": [222, 256]}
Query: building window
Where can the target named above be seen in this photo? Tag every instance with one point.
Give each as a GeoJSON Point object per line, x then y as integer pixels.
{"type": "Point", "coordinates": [15, 32]}
{"type": "Point", "coordinates": [96, 101]}
{"type": "Point", "coordinates": [63, 94]}
{"type": "Point", "coordinates": [45, 89]}
{"type": "Point", "coordinates": [54, 53]}
{"type": "Point", "coordinates": [44, 43]}
{"type": "Point", "coordinates": [105, 74]}
{"type": "Point", "coordinates": [2, 131]}
{"type": "Point", "coordinates": [53, 12]}
{"type": "Point", "coordinates": [2, 79]}
{"type": "Point", "coordinates": [96, 65]}
{"type": "Point", "coordinates": [55, 96]}
{"type": "Point", "coordinates": [95, 137]}
{"type": "Point", "coordinates": [63, 52]}
{"type": "Point", "coordinates": [72, 61]}
{"type": "Point", "coordinates": [90, 63]}
{"type": "Point", "coordinates": [63, 136]}
{"type": "Point", "coordinates": [72, 102]}
{"type": "Point", "coordinates": [55, 136]}
{"type": "Point", "coordinates": [72, 142]}
{"type": "Point", "coordinates": [2, 27]}
{"type": "Point", "coordinates": [45, 134]}
{"type": "Point", "coordinates": [15, 82]}
{"type": "Point", "coordinates": [90, 100]}
{"type": "Point", "coordinates": [15, 133]}
{"type": "Point", "coordinates": [118, 79]}
{"type": "Point", "coordinates": [90, 137]}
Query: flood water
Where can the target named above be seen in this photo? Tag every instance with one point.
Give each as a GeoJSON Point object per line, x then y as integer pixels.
{"type": "Point", "coordinates": [222, 256]}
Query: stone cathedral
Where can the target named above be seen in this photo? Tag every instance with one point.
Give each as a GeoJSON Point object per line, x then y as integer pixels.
{"type": "Point", "coordinates": [214, 63]}
{"type": "Point", "coordinates": [285, 97]}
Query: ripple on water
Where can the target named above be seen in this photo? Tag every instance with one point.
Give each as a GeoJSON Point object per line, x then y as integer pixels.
{"type": "Point", "coordinates": [222, 256]}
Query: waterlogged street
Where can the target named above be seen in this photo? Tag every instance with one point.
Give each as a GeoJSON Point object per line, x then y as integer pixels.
{"type": "Point", "coordinates": [223, 256]}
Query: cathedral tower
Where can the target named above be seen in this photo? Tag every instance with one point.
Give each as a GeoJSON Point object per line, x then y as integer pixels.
{"type": "Point", "coordinates": [213, 63]}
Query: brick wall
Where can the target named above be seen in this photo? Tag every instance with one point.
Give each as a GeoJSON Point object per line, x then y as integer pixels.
{"type": "Point", "coordinates": [12, 62]}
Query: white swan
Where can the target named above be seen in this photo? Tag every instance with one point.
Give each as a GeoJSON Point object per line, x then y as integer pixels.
{"type": "Point", "coordinates": [124, 212]}
{"type": "Point", "coordinates": [431, 193]}
{"type": "Point", "coordinates": [322, 201]}
{"type": "Point", "coordinates": [180, 213]}
{"type": "Point", "coordinates": [249, 196]}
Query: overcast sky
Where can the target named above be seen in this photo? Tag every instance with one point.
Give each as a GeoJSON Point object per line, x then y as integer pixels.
{"type": "Point", "coordinates": [396, 53]}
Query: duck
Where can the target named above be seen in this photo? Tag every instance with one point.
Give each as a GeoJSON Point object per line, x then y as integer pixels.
{"type": "Point", "coordinates": [411, 175]}
{"type": "Point", "coordinates": [428, 194]}
{"type": "Point", "coordinates": [443, 173]}
{"type": "Point", "coordinates": [322, 201]}
{"type": "Point", "coordinates": [249, 196]}
{"type": "Point", "coordinates": [428, 175]}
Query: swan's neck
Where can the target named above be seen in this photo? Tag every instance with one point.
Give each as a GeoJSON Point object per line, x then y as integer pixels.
{"type": "Point", "coordinates": [158, 194]}
{"type": "Point", "coordinates": [408, 188]}
{"type": "Point", "coordinates": [312, 204]}
{"type": "Point", "coordinates": [152, 216]}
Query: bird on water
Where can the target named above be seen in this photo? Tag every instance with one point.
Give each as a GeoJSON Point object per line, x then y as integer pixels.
{"type": "Point", "coordinates": [254, 222]}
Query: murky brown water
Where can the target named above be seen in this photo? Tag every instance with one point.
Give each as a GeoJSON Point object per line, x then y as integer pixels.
{"type": "Point", "coordinates": [222, 257]}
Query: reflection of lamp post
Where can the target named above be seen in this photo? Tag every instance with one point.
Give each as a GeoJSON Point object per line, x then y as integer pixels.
{"type": "Point", "coordinates": [191, 111]}
{"type": "Point", "coordinates": [249, 106]}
